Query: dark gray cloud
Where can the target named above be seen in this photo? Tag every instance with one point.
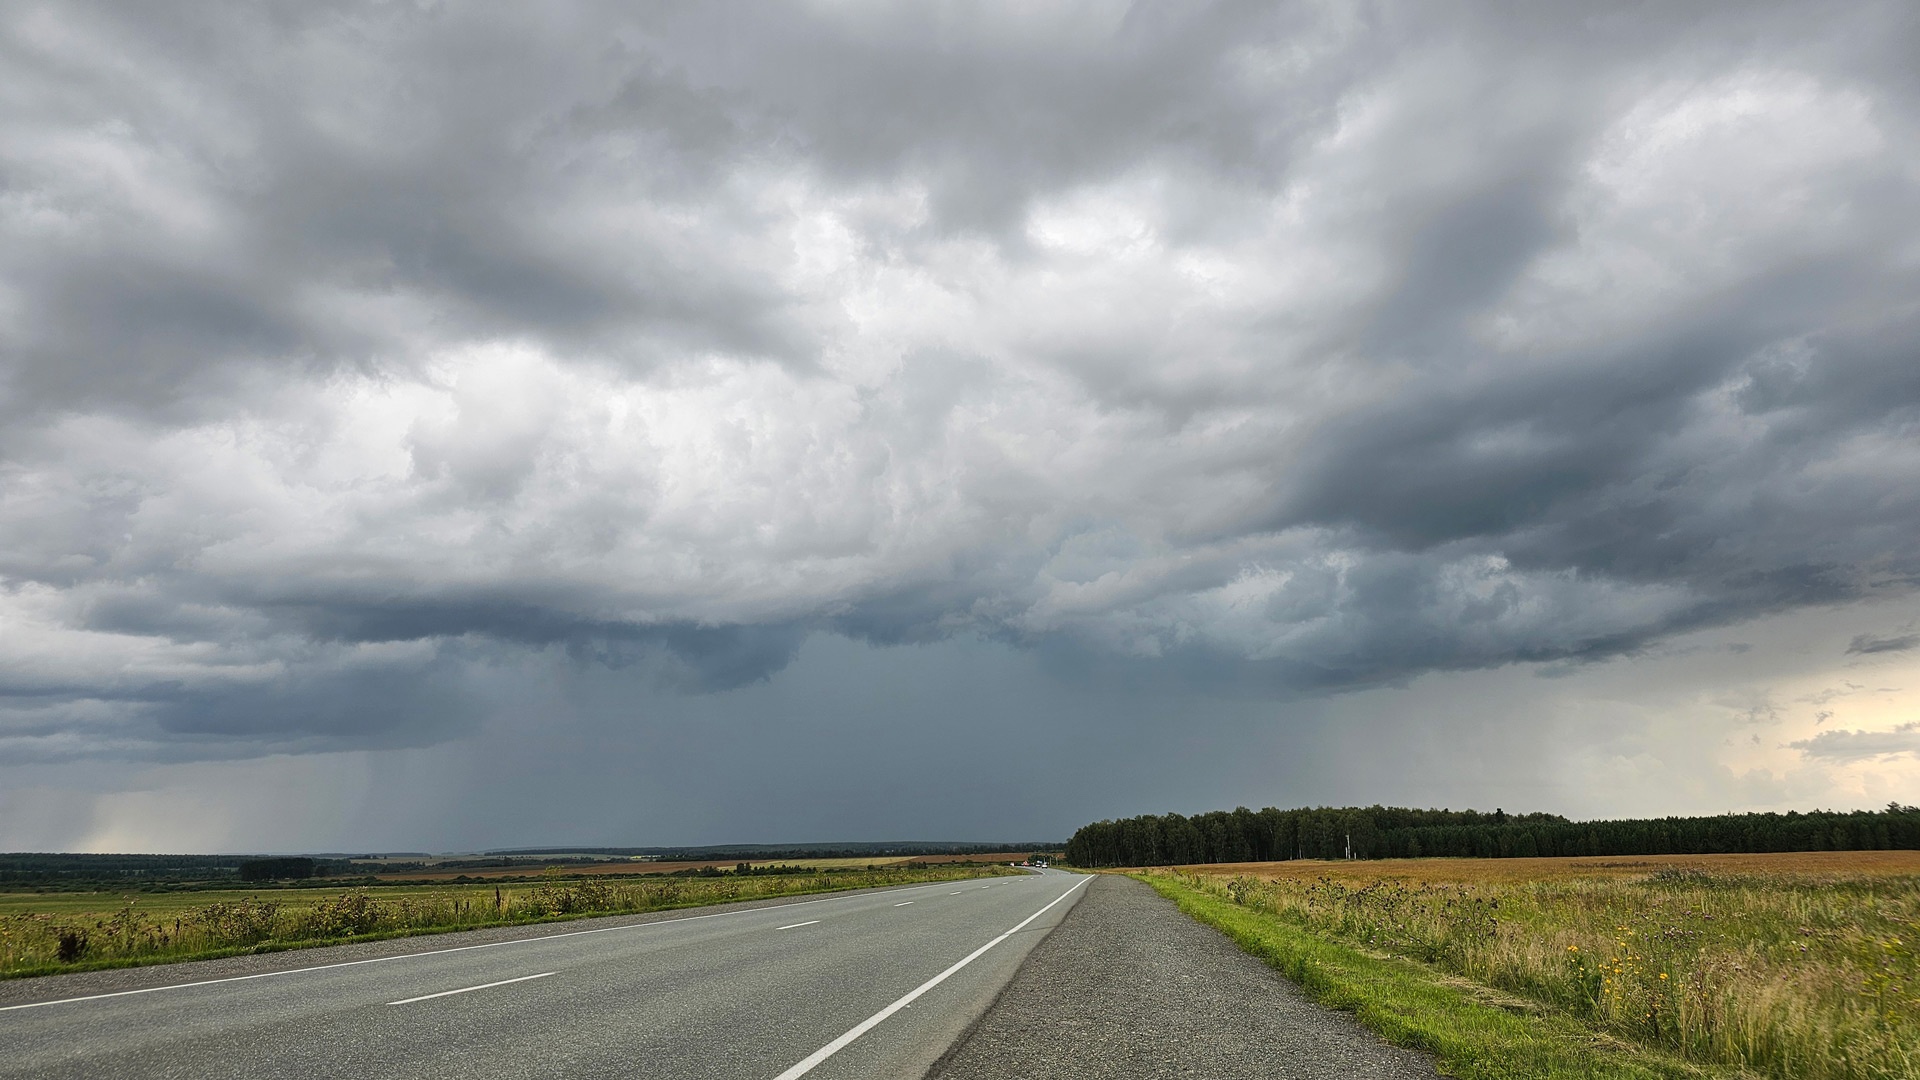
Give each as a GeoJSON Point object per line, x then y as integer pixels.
{"type": "Point", "coordinates": [1867, 644]}
{"type": "Point", "coordinates": [352, 354]}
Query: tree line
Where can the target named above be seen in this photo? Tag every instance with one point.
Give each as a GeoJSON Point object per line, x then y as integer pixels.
{"type": "Point", "coordinates": [69, 870]}
{"type": "Point", "coordinates": [1390, 832]}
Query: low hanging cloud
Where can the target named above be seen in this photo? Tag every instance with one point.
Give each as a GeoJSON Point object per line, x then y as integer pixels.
{"type": "Point", "coordinates": [350, 350]}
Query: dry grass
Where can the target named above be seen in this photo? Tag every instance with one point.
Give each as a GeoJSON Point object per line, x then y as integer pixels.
{"type": "Point", "coordinates": [1792, 965]}
{"type": "Point", "coordinates": [1799, 864]}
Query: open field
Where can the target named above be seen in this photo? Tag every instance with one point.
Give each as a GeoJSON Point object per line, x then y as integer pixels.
{"type": "Point", "coordinates": [629, 867]}
{"type": "Point", "coordinates": [1788, 965]}
{"type": "Point", "coordinates": [617, 868]}
{"type": "Point", "coordinates": [990, 857]}
{"type": "Point", "coordinates": [1811, 865]}
{"type": "Point", "coordinates": [43, 933]}
{"type": "Point", "coordinates": [155, 904]}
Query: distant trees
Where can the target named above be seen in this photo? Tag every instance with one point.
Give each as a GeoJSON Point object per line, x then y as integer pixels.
{"type": "Point", "coordinates": [275, 869]}
{"type": "Point", "coordinates": [1386, 832]}
{"type": "Point", "coordinates": [48, 868]}
{"type": "Point", "coordinates": [85, 872]}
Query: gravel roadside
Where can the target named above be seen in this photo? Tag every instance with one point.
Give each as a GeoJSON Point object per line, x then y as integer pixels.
{"type": "Point", "coordinates": [1128, 987]}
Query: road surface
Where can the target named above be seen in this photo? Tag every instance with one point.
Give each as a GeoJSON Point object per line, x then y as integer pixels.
{"type": "Point", "coordinates": [869, 984]}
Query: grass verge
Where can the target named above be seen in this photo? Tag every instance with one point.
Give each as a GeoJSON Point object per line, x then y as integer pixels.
{"type": "Point", "coordinates": [1465, 1027]}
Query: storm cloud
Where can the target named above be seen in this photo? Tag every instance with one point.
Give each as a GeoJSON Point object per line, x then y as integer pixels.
{"type": "Point", "coordinates": [1867, 644]}
{"type": "Point", "coordinates": [352, 355]}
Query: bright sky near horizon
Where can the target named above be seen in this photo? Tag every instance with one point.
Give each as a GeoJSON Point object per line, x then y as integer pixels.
{"type": "Point", "coordinates": [434, 428]}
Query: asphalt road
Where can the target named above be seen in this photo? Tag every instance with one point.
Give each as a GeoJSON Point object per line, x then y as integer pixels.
{"type": "Point", "coordinates": [780, 991]}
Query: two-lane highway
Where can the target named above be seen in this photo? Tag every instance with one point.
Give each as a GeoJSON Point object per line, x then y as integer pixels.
{"type": "Point", "coordinates": [867, 984]}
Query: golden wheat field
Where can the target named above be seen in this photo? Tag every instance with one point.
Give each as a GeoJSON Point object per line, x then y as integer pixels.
{"type": "Point", "coordinates": [1799, 864]}
{"type": "Point", "coordinates": [1790, 965]}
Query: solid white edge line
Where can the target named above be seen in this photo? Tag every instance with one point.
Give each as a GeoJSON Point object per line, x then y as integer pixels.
{"type": "Point", "coordinates": [813, 1060]}
{"type": "Point", "coordinates": [470, 989]}
{"type": "Point", "coordinates": [798, 925]}
{"type": "Point", "coordinates": [454, 949]}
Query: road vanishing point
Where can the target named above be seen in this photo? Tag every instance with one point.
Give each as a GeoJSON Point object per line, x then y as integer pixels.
{"type": "Point", "coordinates": [870, 984]}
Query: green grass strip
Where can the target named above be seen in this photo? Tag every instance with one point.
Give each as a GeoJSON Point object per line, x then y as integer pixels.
{"type": "Point", "coordinates": [1418, 1008]}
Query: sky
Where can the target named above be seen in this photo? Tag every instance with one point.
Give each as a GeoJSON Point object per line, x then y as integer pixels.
{"type": "Point", "coordinates": [441, 427]}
